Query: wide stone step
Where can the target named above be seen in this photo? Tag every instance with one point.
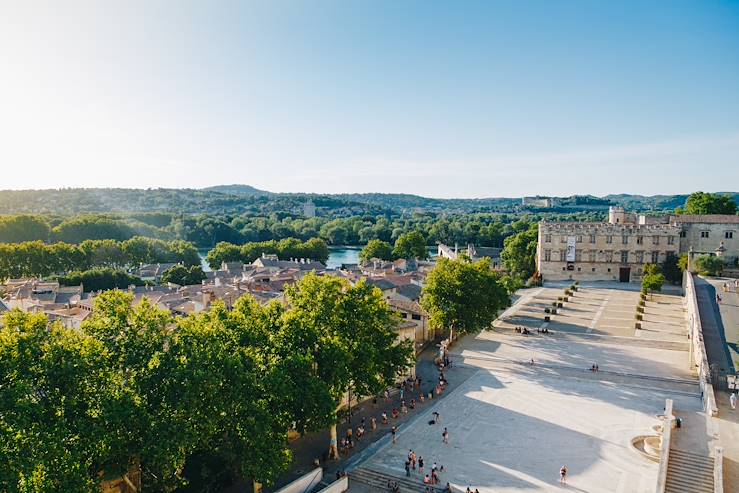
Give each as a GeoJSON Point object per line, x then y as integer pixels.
{"type": "Point", "coordinates": [688, 472]}
{"type": "Point", "coordinates": [378, 480]}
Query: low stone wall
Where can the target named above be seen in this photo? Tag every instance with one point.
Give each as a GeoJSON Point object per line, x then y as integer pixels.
{"type": "Point", "coordinates": [664, 457]}
{"type": "Point", "coordinates": [698, 348]}
{"type": "Point", "coordinates": [718, 470]}
{"type": "Point", "coordinates": [338, 486]}
{"type": "Point", "coordinates": [304, 483]}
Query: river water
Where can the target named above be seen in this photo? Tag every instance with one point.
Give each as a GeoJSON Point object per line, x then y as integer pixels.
{"type": "Point", "coordinates": [336, 256]}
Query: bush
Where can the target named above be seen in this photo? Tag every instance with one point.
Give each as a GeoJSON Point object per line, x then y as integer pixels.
{"type": "Point", "coordinates": [639, 316]}
{"type": "Point", "coordinates": [642, 302]}
{"type": "Point", "coordinates": [100, 279]}
{"type": "Point", "coordinates": [708, 265]}
{"type": "Point", "coordinates": [640, 309]}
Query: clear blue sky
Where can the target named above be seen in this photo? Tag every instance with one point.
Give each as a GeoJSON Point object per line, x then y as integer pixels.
{"type": "Point", "coordinates": [445, 99]}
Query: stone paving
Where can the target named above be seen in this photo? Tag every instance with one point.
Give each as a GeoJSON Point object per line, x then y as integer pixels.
{"type": "Point", "coordinates": [727, 419]}
{"type": "Point", "coordinates": [514, 423]}
{"type": "Point", "coordinates": [599, 309]}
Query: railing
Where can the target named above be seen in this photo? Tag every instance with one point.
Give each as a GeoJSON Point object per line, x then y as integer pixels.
{"type": "Point", "coordinates": [698, 348]}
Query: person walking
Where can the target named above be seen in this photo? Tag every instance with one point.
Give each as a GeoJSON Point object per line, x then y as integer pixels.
{"type": "Point", "coordinates": [408, 468]}
{"type": "Point", "coordinates": [445, 436]}
{"type": "Point", "coordinates": [394, 433]}
{"type": "Point", "coordinates": [732, 401]}
{"type": "Point", "coordinates": [373, 423]}
{"type": "Point", "coordinates": [420, 465]}
{"type": "Point", "coordinates": [563, 475]}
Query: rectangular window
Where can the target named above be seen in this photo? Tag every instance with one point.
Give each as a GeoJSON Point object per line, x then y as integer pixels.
{"type": "Point", "coordinates": [625, 257]}
{"type": "Point", "coordinates": [547, 255]}
{"type": "Point", "coordinates": [416, 317]}
{"type": "Point", "coordinates": [682, 234]}
{"type": "Point", "coordinates": [609, 239]}
{"type": "Point", "coordinates": [729, 235]}
{"type": "Point", "coordinates": [547, 238]}
{"type": "Point", "coordinates": [639, 257]}
{"type": "Point", "coordinates": [655, 240]}
{"type": "Point", "coordinates": [578, 255]}
{"type": "Point", "coordinates": [579, 238]}
{"type": "Point", "coordinates": [592, 238]}
{"type": "Point", "coordinates": [639, 240]}
{"type": "Point", "coordinates": [562, 254]}
{"type": "Point", "coordinates": [563, 239]}
{"type": "Point", "coordinates": [704, 234]}
{"type": "Point", "coordinates": [655, 257]}
{"type": "Point", "coordinates": [670, 240]}
{"type": "Point", "coordinates": [625, 240]}
{"type": "Point", "coordinates": [591, 256]}
{"type": "Point", "coordinates": [609, 256]}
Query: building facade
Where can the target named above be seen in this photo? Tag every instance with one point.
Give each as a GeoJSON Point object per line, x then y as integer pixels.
{"type": "Point", "coordinates": [618, 250]}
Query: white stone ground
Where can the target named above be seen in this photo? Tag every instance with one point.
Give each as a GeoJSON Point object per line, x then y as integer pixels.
{"type": "Point", "coordinates": [512, 425]}
{"type": "Point", "coordinates": [511, 432]}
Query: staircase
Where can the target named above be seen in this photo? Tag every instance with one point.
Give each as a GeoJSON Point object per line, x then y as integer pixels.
{"type": "Point", "coordinates": [689, 473]}
{"type": "Point", "coordinates": [378, 480]}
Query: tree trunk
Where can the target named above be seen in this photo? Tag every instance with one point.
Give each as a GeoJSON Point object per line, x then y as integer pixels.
{"type": "Point", "coordinates": [333, 450]}
{"type": "Point", "coordinates": [257, 486]}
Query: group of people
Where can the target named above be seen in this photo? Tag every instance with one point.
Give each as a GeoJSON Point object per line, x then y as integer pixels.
{"type": "Point", "coordinates": [524, 330]}
{"type": "Point", "coordinates": [594, 367]}
{"type": "Point", "coordinates": [729, 285]}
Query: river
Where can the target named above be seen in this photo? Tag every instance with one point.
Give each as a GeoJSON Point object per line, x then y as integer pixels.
{"type": "Point", "coordinates": [337, 255]}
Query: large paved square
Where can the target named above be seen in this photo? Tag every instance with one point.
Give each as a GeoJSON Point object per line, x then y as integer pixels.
{"type": "Point", "coordinates": [511, 430]}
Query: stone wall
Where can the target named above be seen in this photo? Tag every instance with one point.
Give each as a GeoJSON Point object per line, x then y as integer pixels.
{"type": "Point", "coordinates": [602, 249]}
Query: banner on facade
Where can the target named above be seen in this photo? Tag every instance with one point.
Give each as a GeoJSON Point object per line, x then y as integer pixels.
{"type": "Point", "coordinates": [570, 249]}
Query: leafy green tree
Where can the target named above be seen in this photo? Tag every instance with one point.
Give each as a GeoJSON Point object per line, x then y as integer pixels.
{"type": "Point", "coordinates": [17, 229]}
{"type": "Point", "coordinates": [411, 246]}
{"type": "Point", "coordinates": [346, 335]}
{"type": "Point", "coordinates": [100, 279]}
{"type": "Point", "coordinates": [671, 269]}
{"type": "Point", "coordinates": [709, 203]}
{"type": "Point", "coordinates": [519, 253]}
{"type": "Point", "coordinates": [376, 249]}
{"type": "Point", "coordinates": [653, 282]}
{"type": "Point", "coordinates": [183, 276]}
{"type": "Point", "coordinates": [709, 265]}
{"type": "Point", "coordinates": [683, 262]}
{"type": "Point", "coordinates": [58, 420]}
{"type": "Point", "coordinates": [463, 296]}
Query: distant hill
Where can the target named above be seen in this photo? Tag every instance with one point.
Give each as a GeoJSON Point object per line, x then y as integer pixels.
{"type": "Point", "coordinates": [244, 199]}
{"type": "Point", "coordinates": [239, 190]}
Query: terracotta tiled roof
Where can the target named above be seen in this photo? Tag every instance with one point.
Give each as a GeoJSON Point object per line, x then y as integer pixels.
{"type": "Point", "coordinates": [706, 218]}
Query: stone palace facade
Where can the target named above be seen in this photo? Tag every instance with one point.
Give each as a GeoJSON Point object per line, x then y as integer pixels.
{"type": "Point", "coordinates": [618, 250]}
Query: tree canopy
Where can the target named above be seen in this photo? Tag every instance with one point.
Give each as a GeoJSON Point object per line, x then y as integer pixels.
{"type": "Point", "coordinates": [519, 253]}
{"type": "Point", "coordinates": [376, 249]}
{"type": "Point", "coordinates": [463, 296]}
{"type": "Point", "coordinates": [709, 203]}
{"type": "Point", "coordinates": [709, 265]}
{"type": "Point", "coordinates": [411, 246]}
{"type": "Point", "coordinates": [183, 276]}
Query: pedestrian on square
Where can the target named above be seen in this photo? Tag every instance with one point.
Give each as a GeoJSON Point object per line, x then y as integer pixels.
{"type": "Point", "coordinates": [420, 465]}
{"type": "Point", "coordinates": [373, 423]}
{"type": "Point", "coordinates": [563, 474]}
{"type": "Point", "coordinates": [402, 393]}
{"type": "Point", "coordinates": [413, 461]}
{"type": "Point", "coordinates": [445, 436]}
{"type": "Point", "coordinates": [732, 401]}
{"type": "Point", "coordinates": [394, 432]}
{"type": "Point", "coordinates": [407, 468]}
{"type": "Point", "coordinates": [384, 417]}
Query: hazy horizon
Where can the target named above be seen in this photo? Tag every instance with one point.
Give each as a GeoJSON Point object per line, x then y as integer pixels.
{"type": "Point", "coordinates": [447, 100]}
